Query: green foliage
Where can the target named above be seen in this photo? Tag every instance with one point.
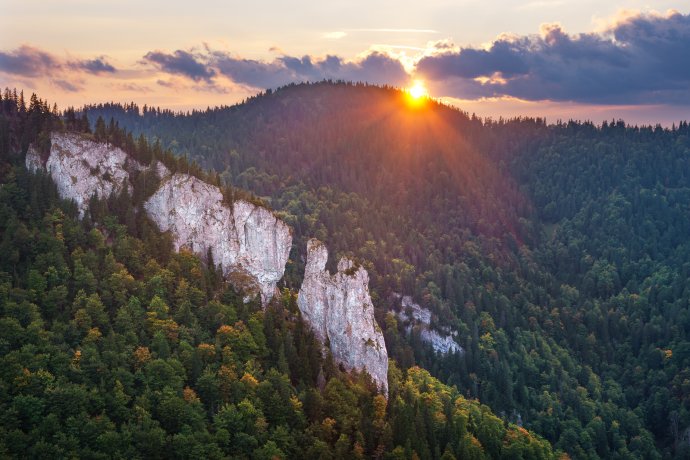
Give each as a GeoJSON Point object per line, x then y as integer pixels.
{"type": "Point", "coordinates": [559, 253]}
{"type": "Point", "coordinates": [115, 346]}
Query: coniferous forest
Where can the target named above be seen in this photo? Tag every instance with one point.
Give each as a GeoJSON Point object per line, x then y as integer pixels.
{"type": "Point", "coordinates": [559, 252]}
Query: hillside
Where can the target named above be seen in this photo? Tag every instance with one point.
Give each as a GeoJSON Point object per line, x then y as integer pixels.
{"type": "Point", "coordinates": [115, 344]}
{"type": "Point", "coordinates": [557, 252]}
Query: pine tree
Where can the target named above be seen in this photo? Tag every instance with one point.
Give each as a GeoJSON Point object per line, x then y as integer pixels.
{"type": "Point", "coordinates": [100, 132]}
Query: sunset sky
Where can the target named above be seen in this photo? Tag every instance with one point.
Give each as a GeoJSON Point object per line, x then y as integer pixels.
{"type": "Point", "coordinates": [562, 59]}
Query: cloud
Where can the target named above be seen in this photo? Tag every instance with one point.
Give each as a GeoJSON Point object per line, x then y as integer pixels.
{"type": "Point", "coordinates": [539, 4]}
{"type": "Point", "coordinates": [211, 66]}
{"type": "Point", "coordinates": [637, 60]}
{"type": "Point", "coordinates": [405, 31]}
{"type": "Point", "coordinates": [335, 35]}
{"type": "Point", "coordinates": [94, 66]}
{"type": "Point", "coordinates": [183, 63]}
{"type": "Point", "coordinates": [377, 68]}
{"type": "Point", "coordinates": [32, 62]}
{"type": "Point", "coordinates": [66, 85]}
{"type": "Point", "coordinates": [133, 87]}
{"type": "Point", "coordinates": [28, 61]}
{"type": "Point", "coordinates": [166, 83]}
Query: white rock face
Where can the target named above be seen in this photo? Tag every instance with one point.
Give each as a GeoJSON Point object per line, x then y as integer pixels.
{"type": "Point", "coordinates": [82, 168]}
{"type": "Point", "coordinates": [413, 312]}
{"type": "Point", "coordinates": [245, 238]}
{"type": "Point", "coordinates": [340, 311]}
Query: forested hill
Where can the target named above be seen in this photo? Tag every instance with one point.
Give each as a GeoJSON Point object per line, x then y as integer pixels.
{"type": "Point", "coordinates": [113, 345]}
{"type": "Point", "coordinates": [558, 252]}
{"type": "Point", "coordinates": [364, 139]}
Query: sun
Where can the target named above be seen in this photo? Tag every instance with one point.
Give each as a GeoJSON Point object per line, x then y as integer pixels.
{"type": "Point", "coordinates": [418, 90]}
{"type": "Point", "coordinates": [417, 93]}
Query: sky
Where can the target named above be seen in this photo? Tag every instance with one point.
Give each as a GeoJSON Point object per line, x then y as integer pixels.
{"type": "Point", "coordinates": [561, 59]}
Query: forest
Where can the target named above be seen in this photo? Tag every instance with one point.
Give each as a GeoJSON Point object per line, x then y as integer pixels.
{"type": "Point", "coordinates": [558, 252]}
{"type": "Point", "coordinates": [113, 345]}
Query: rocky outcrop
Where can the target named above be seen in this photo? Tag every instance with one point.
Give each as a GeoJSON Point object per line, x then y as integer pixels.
{"type": "Point", "coordinates": [82, 168]}
{"type": "Point", "coordinates": [339, 309]}
{"type": "Point", "coordinates": [415, 315]}
{"type": "Point", "coordinates": [242, 238]}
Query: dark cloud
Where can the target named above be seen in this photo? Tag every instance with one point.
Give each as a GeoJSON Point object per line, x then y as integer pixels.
{"type": "Point", "coordinates": [93, 66]}
{"type": "Point", "coordinates": [253, 73]}
{"type": "Point", "coordinates": [503, 57]}
{"type": "Point", "coordinates": [374, 68]}
{"type": "Point", "coordinates": [181, 62]}
{"type": "Point", "coordinates": [642, 59]}
{"type": "Point", "coordinates": [165, 84]}
{"type": "Point", "coordinates": [66, 85]}
{"type": "Point", "coordinates": [28, 61]}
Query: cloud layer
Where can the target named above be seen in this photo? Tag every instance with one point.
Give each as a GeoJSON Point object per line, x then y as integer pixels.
{"type": "Point", "coordinates": [28, 61]}
{"type": "Point", "coordinates": [205, 66]}
{"type": "Point", "coordinates": [642, 59]}
{"type": "Point", "coordinates": [181, 62]}
{"type": "Point", "coordinates": [639, 59]}
{"type": "Point", "coordinates": [66, 74]}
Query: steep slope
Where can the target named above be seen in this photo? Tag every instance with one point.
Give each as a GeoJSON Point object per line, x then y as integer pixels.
{"type": "Point", "coordinates": [246, 240]}
{"type": "Point", "coordinates": [88, 374]}
{"type": "Point", "coordinates": [114, 345]}
{"type": "Point", "coordinates": [558, 252]}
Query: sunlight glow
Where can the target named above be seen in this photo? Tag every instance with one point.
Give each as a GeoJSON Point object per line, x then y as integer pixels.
{"type": "Point", "coordinates": [418, 90]}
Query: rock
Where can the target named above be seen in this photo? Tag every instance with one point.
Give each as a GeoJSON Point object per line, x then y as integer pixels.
{"type": "Point", "coordinates": [244, 238]}
{"type": "Point", "coordinates": [339, 309]}
{"type": "Point", "coordinates": [414, 313]}
{"type": "Point", "coordinates": [247, 240]}
{"type": "Point", "coordinates": [82, 168]}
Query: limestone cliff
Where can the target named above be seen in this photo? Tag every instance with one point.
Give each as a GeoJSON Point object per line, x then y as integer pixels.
{"type": "Point", "coordinates": [341, 313]}
{"type": "Point", "coordinates": [82, 168]}
{"type": "Point", "coordinates": [244, 238]}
